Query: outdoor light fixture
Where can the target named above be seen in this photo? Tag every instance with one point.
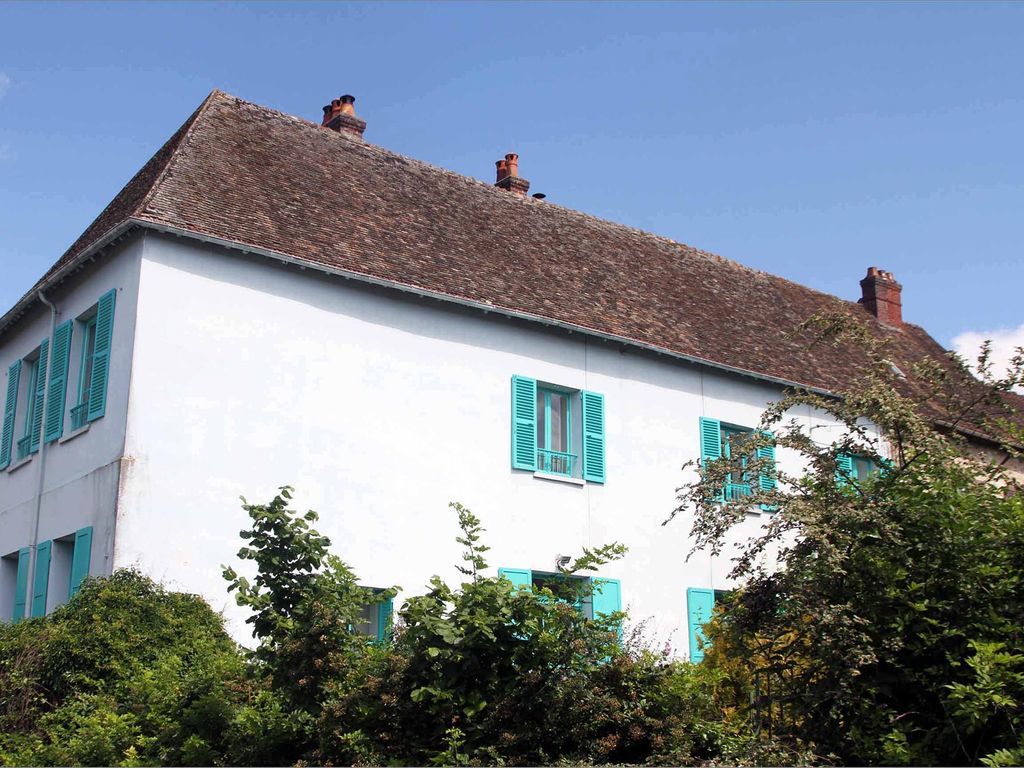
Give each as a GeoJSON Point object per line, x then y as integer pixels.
{"type": "Point", "coordinates": [562, 560]}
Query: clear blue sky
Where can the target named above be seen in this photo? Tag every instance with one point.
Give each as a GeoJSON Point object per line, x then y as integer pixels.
{"type": "Point", "coordinates": [809, 140]}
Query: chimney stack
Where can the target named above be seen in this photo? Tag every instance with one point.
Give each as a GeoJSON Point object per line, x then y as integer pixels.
{"type": "Point", "coordinates": [881, 296]}
{"type": "Point", "coordinates": [508, 175]}
{"type": "Point", "coordinates": [340, 116]}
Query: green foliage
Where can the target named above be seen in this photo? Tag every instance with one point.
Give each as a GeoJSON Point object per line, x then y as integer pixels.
{"type": "Point", "coordinates": [126, 673]}
{"type": "Point", "coordinates": [482, 673]}
{"type": "Point", "coordinates": [889, 627]}
{"type": "Point", "coordinates": [306, 606]}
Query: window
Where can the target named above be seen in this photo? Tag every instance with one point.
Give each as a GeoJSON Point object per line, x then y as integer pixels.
{"type": "Point", "coordinates": [34, 367]}
{"type": "Point", "coordinates": [13, 585]}
{"type": "Point", "coordinates": [557, 431]}
{"type": "Point", "coordinates": [604, 598]}
{"type": "Point", "coordinates": [80, 410]}
{"type": "Point", "coordinates": [855, 468]}
{"type": "Point", "coordinates": [719, 440]}
{"type": "Point", "coordinates": [574, 589]}
{"type": "Point", "coordinates": [738, 484]}
{"type": "Point", "coordinates": [554, 432]}
{"type": "Point", "coordinates": [62, 552]}
{"type": "Point", "coordinates": [375, 618]}
{"type": "Point", "coordinates": [32, 377]}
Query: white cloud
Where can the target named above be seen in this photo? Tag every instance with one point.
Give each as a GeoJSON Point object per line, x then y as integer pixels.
{"type": "Point", "coordinates": [5, 83]}
{"type": "Point", "coordinates": [1004, 346]}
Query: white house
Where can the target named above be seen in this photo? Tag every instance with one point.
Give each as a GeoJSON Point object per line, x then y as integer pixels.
{"type": "Point", "coordinates": [272, 301]}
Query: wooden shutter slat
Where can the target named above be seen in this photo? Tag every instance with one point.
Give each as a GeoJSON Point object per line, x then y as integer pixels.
{"type": "Point", "coordinates": [524, 423]}
{"type": "Point", "coordinates": [766, 479]}
{"type": "Point", "coordinates": [385, 609]}
{"type": "Point", "coordinates": [21, 586]}
{"type": "Point", "coordinates": [844, 471]}
{"type": "Point", "coordinates": [41, 582]}
{"type": "Point", "coordinates": [593, 436]}
{"type": "Point", "coordinates": [711, 445]}
{"type": "Point", "coordinates": [37, 407]}
{"type": "Point", "coordinates": [58, 381]}
{"type": "Point", "coordinates": [10, 404]}
{"type": "Point", "coordinates": [700, 604]}
{"type": "Point", "coordinates": [80, 560]}
{"type": "Point", "coordinates": [101, 355]}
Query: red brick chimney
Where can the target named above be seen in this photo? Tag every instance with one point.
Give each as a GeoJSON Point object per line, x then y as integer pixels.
{"type": "Point", "coordinates": [881, 296]}
{"type": "Point", "coordinates": [340, 116]}
{"type": "Point", "coordinates": [508, 175]}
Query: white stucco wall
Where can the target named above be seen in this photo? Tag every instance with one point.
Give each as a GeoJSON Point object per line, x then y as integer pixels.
{"type": "Point", "coordinates": [81, 474]}
{"type": "Point", "coordinates": [380, 410]}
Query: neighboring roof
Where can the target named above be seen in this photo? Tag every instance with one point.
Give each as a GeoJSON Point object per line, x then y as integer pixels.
{"type": "Point", "coordinates": [247, 175]}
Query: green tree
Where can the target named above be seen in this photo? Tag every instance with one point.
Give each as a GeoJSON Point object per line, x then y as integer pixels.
{"type": "Point", "coordinates": [870, 606]}
{"type": "Point", "coordinates": [306, 606]}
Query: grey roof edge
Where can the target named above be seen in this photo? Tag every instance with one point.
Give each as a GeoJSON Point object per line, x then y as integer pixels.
{"type": "Point", "coordinates": [90, 252]}
{"type": "Point", "coordinates": [468, 303]}
{"type": "Point", "coordinates": [118, 231]}
{"type": "Point", "coordinates": [87, 254]}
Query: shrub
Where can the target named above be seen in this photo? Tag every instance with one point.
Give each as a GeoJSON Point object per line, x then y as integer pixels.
{"type": "Point", "coordinates": [125, 673]}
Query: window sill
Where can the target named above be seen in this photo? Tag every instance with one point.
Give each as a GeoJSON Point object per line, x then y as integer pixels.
{"type": "Point", "coordinates": [559, 478]}
{"type": "Point", "coordinates": [73, 435]}
{"type": "Point", "coordinates": [20, 463]}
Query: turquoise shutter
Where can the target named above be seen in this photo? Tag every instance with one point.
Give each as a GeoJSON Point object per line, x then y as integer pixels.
{"type": "Point", "coordinates": [58, 381]}
{"type": "Point", "coordinates": [700, 604]}
{"type": "Point", "coordinates": [524, 423]}
{"type": "Point", "coordinates": [710, 439]}
{"type": "Point", "coordinates": [844, 473]}
{"type": "Point", "coordinates": [80, 560]}
{"type": "Point", "coordinates": [7, 435]}
{"type": "Point", "coordinates": [767, 480]}
{"type": "Point", "coordinates": [593, 436]}
{"type": "Point", "coordinates": [385, 609]}
{"type": "Point", "coordinates": [101, 355]}
{"type": "Point", "coordinates": [518, 576]}
{"type": "Point", "coordinates": [37, 410]}
{"type": "Point", "coordinates": [42, 579]}
{"type": "Point", "coordinates": [607, 597]}
{"type": "Point", "coordinates": [21, 587]}
{"type": "Point", "coordinates": [711, 444]}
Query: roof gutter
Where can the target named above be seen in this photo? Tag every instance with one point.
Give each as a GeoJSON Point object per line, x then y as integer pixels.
{"type": "Point", "coordinates": [478, 305]}
{"type": "Point", "coordinates": [121, 229]}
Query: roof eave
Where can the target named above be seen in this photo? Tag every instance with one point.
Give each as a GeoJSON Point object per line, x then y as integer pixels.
{"type": "Point", "coordinates": [87, 254]}
{"type": "Point", "coordinates": [487, 308]}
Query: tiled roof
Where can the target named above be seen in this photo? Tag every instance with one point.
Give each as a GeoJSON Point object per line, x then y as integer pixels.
{"type": "Point", "coordinates": [239, 172]}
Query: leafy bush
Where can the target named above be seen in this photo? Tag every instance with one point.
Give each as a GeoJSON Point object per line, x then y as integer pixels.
{"type": "Point", "coordinates": [489, 674]}
{"type": "Point", "coordinates": [125, 673]}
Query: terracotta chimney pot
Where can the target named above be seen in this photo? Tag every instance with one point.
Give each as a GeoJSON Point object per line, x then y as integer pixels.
{"type": "Point", "coordinates": [508, 175]}
{"type": "Point", "coordinates": [340, 116]}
